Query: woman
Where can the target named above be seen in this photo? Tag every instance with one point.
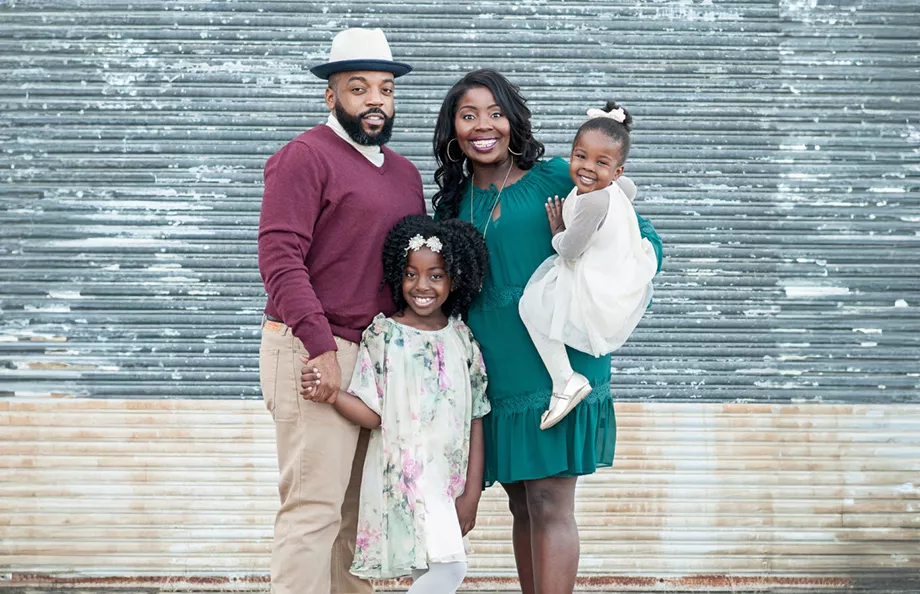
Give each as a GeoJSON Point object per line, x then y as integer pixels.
{"type": "Point", "coordinates": [491, 173]}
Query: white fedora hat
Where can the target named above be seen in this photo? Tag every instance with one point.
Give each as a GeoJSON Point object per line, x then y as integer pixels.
{"type": "Point", "coordinates": [360, 49]}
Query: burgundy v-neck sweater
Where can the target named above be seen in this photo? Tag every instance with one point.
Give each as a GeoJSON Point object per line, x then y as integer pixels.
{"type": "Point", "coordinates": [326, 211]}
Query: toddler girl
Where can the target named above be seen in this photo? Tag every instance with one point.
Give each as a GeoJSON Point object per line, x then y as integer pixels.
{"type": "Point", "coordinates": [419, 384]}
{"type": "Point", "coordinates": [593, 293]}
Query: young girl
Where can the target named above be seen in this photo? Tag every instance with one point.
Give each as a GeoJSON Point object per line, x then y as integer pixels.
{"type": "Point", "coordinates": [593, 293]}
{"type": "Point", "coordinates": [419, 384]}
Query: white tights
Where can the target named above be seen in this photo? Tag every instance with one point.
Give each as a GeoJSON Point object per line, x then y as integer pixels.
{"type": "Point", "coordinates": [555, 358]}
{"type": "Point", "coordinates": [439, 578]}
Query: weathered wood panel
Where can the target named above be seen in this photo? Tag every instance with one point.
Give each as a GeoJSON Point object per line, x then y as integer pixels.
{"type": "Point", "coordinates": [186, 488]}
{"type": "Point", "coordinates": [776, 148]}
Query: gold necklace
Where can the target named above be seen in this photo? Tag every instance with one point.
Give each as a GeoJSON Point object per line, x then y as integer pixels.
{"type": "Point", "coordinates": [497, 199]}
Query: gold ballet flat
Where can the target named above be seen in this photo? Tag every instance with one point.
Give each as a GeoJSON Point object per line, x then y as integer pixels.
{"type": "Point", "coordinates": [576, 389]}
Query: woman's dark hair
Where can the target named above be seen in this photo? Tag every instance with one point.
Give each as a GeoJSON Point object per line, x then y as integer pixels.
{"type": "Point", "coordinates": [462, 247]}
{"type": "Point", "coordinates": [616, 131]}
{"type": "Point", "coordinates": [449, 174]}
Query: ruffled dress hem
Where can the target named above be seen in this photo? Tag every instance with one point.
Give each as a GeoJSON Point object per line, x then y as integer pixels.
{"type": "Point", "coordinates": [583, 442]}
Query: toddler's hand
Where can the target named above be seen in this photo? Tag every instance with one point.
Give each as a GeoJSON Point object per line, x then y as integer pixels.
{"type": "Point", "coordinates": [554, 214]}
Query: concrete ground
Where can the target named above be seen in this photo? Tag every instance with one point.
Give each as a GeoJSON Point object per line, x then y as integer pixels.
{"type": "Point", "coordinates": [896, 581]}
{"type": "Point", "coordinates": [877, 587]}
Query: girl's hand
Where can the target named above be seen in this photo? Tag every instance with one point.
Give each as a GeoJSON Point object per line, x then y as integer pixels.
{"type": "Point", "coordinates": [309, 379]}
{"type": "Point", "coordinates": [327, 371]}
{"type": "Point", "coordinates": [554, 214]}
{"type": "Point", "coordinates": [467, 506]}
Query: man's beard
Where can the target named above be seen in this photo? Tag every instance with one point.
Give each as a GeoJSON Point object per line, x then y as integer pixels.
{"type": "Point", "coordinates": [352, 125]}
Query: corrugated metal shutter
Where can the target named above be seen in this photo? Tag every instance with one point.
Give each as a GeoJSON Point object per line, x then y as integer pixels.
{"type": "Point", "coordinates": [703, 495]}
{"type": "Point", "coordinates": [776, 149]}
{"type": "Point", "coordinates": [777, 159]}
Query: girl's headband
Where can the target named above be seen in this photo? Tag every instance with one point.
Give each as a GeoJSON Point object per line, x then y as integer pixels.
{"type": "Point", "coordinates": [617, 115]}
{"type": "Point", "coordinates": [418, 242]}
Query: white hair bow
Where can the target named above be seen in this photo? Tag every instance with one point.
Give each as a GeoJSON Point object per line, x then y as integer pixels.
{"type": "Point", "coordinates": [417, 242]}
{"type": "Point", "coordinates": [617, 115]}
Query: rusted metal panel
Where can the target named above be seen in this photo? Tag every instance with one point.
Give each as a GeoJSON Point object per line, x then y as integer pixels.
{"type": "Point", "coordinates": [755, 493]}
{"type": "Point", "coordinates": [776, 149]}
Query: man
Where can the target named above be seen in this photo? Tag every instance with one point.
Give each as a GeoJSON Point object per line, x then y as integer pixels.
{"type": "Point", "coordinates": [331, 196]}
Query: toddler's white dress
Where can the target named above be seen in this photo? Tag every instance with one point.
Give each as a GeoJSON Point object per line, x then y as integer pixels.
{"type": "Point", "coordinates": [593, 293]}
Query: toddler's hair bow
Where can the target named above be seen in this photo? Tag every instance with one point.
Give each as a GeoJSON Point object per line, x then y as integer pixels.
{"type": "Point", "coordinates": [617, 115]}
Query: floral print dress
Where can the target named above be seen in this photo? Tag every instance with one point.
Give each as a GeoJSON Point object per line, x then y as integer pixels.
{"type": "Point", "coordinates": [427, 387]}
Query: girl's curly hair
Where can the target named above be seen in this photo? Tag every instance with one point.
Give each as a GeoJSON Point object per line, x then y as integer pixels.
{"type": "Point", "coordinates": [466, 259]}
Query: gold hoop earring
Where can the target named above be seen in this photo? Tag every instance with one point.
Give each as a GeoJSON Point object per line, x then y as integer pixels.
{"type": "Point", "coordinates": [452, 160]}
{"type": "Point", "coordinates": [514, 153]}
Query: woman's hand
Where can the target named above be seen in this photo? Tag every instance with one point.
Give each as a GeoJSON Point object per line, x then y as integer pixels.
{"type": "Point", "coordinates": [467, 507]}
{"type": "Point", "coordinates": [554, 214]}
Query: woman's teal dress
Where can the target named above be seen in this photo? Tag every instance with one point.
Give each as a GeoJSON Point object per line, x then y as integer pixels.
{"type": "Point", "coordinates": [519, 388]}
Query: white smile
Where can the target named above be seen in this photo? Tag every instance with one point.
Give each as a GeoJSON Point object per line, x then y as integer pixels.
{"type": "Point", "coordinates": [587, 180]}
{"type": "Point", "coordinates": [486, 144]}
{"type": "Point", "coordinates": [423, 301]}
{"type": "Point", "coordinates": [373, 119]}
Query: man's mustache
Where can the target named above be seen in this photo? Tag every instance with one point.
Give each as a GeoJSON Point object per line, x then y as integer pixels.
{"type": "Point", "coordinates": [376, 110]}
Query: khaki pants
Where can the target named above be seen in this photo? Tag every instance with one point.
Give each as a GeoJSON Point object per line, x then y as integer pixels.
{"type": "Point", "coordinates": [320, 459]}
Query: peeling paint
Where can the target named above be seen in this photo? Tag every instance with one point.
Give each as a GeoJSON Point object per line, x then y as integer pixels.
{"type": "Point", "coordinates": [798, 289]}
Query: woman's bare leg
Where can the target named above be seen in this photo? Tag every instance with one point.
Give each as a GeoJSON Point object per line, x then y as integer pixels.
{"type": "Point", "coordinates": [520, 535]}
{"type": "Point", "coordinates": [553, 534]}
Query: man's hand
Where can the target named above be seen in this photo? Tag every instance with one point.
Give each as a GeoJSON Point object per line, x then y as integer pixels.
{"type": "Point", "coordinates": [467, 506]}
{"type": "Point", "coordinates": [321, 378]}
{"type": "Point", "coordinates": [554, 214]}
